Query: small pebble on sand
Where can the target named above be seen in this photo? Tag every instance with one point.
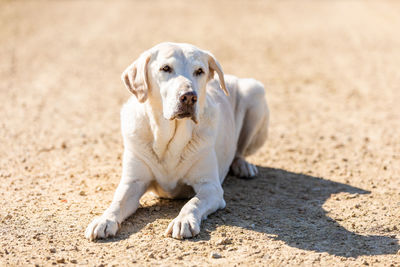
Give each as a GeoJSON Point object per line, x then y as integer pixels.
{"type": "Point", "coordinates": [215, 255]}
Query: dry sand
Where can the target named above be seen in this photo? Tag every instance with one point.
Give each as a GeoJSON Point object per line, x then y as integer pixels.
{"type": "Point", "coordinates": [329, 189]}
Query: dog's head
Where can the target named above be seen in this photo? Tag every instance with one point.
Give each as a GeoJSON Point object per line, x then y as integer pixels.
{"type": "Point", "coordinates": [173, 77]}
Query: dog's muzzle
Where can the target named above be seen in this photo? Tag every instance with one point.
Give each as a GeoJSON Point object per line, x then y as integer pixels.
{"type": "Point", "coordinates": [187, 106]}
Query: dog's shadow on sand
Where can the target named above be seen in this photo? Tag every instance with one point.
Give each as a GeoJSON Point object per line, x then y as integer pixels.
{"type": "Point", "coordinates": [285, 205]}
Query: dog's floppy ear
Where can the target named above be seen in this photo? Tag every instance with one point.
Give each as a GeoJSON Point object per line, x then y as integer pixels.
{"type": "Point", "coordinates": [214, 66]}
{"type": "Point", "coordinates": [135, 77]}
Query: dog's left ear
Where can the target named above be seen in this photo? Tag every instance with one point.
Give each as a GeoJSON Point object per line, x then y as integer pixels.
{"type": "Point", "coordinates": [215, 66]}
{"type": "Point", "coordinates": [135, 77]}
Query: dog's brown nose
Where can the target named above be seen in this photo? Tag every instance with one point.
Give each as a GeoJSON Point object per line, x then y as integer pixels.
{"type": "Point", "coordinates": [188, 98]}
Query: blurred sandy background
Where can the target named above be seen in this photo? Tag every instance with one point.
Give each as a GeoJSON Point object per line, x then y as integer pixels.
{"type": "Point", "coordinates": [329, 189]}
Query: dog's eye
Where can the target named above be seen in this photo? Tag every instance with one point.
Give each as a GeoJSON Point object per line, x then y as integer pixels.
{"type": "Point", "coordinates": [198, 72]}
{"type": "Point", "coordinates": [166, 68]}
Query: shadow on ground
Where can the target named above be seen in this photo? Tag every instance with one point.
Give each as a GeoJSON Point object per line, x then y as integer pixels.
{"type": "Point", "coordinates": [287, 206]}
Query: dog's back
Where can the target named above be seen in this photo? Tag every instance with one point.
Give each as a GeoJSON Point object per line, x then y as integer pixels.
{"type": "Point", "coordinates": [249, 108]}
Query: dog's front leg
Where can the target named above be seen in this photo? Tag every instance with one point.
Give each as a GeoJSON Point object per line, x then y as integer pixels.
{"type": "Point", "coordinates": [208, 199]}
{"type": "Point", "coordinates": [134, 182]}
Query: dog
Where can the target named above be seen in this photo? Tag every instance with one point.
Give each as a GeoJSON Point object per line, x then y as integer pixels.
{"type": "Point", "coordinates": [183, 131]}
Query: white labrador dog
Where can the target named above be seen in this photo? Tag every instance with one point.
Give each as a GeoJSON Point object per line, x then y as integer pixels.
{"type": "Point", "coordinates": [182, 133]}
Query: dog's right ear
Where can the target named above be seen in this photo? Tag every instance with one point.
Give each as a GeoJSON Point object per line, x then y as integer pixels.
{"type": "Point", "coordinates": [135, 77]}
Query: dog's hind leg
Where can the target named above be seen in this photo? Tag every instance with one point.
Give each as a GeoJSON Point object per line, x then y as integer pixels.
{"type": "Point", "coordinates": [253, 111]}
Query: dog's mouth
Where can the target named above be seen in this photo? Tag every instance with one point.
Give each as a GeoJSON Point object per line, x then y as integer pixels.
{"type": "Point", "coordinates": [185, 115]}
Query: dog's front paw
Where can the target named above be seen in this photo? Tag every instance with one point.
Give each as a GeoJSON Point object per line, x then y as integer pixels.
{"type": "Point", "coordinates": [101, 227]}
{"type": "Point", "coordinates": [183, 226]}
{"type": "Point", "coordinates": [243, 169]}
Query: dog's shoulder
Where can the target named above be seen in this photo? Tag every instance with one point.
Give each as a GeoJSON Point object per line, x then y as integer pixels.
{"type": "Point", "coordinates": [133, 119]}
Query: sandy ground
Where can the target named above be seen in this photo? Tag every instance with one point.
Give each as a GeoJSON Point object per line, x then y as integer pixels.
{"type": "Point", "coordinates": [329, 189]}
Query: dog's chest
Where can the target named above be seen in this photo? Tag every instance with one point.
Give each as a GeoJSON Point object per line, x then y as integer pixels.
{"type": "Point", "coordinates": [169, 148]}
{"type": "Point", "coordinates": [171, 152]}
{"type": "Point", "coordinates": [170, 170]}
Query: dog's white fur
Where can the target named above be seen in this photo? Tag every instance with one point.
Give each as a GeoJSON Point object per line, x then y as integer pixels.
{"type": "Point", "coordinates": [183, 157]}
